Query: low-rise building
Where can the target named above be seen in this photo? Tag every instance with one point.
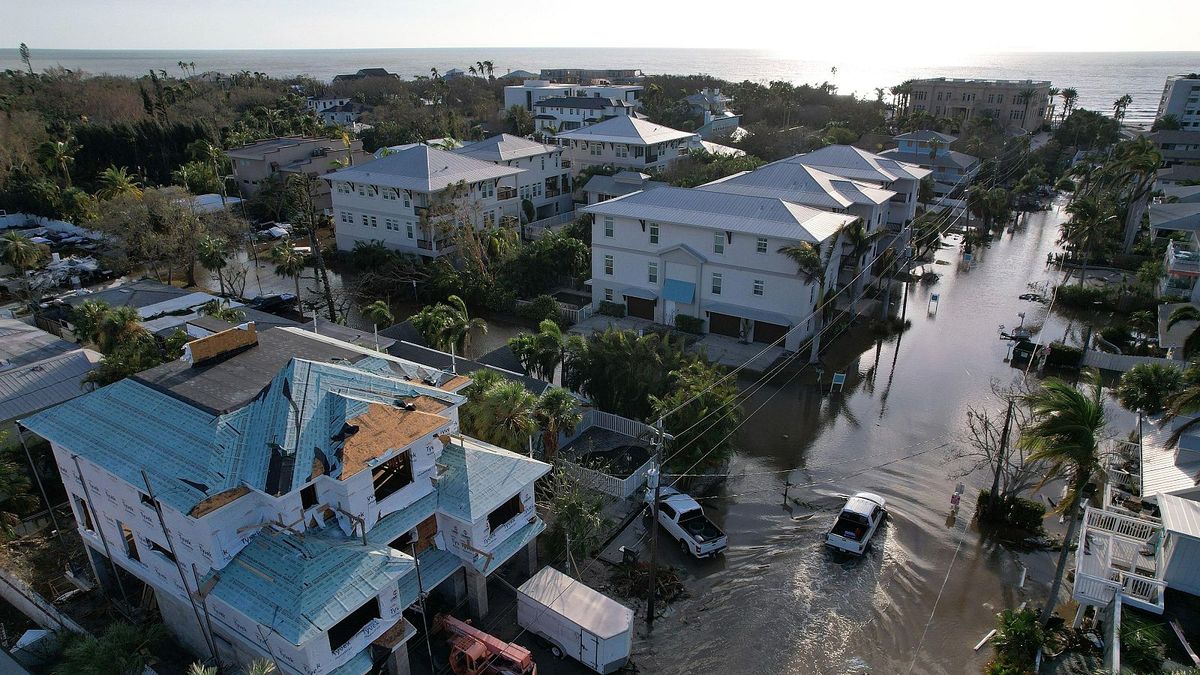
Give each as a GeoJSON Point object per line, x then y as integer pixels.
{"type": "Point", "coordinates": [627, 142]}
{"type": "Point", "coordinates": [669, 252]}
{"type": "Point", "coordinates": [1181, 99]}
{"type": "Point", "coordinates": [1177, 147]}
{"type": "Point", "coordinates": [600, 187]}
{"type": "Point", "coordinates": [883, 172]}
{"type": "Point", "coordinates": [365, 73]}
{"type": "Point", "coordinates": [717, 120]}
{"type": "Point", "coordinates": [952, 170]}
{"type": "Point", "coordinates": [564, 113]}
{"type": "Point", "coordinates": [343, 115]}
{"type": "Point", "coordinates": [1014, 104]}
{"type": "Point", "coordinates": [37, 370]}
{"type": "Point", "coordinates": [257, 164]}
{"type": "Point", "coordinates": [318, 103]}
{"type": "Point", "coordinates": [410, 198]}
{"type": "Point", "coordinates": [276, 493]}
{"type": "Point", "coordinates": [530, 92]}
{"type": "Point", "coordinates": [544, 182]}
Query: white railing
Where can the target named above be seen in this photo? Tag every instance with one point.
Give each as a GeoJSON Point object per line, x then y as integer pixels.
{"type": "Point", "coordinates": [1112, 561]}
{"type": "Point", "coordinates": [1115, 523]}
{"type": "Point", "coordinates": [1148, 591]}
{"type": "Point", "coordinates": [1093, 590]}
{"type": "Point", "coordinates": [621, 488]}
{"type": "Point", "coordinates": [535, 229]}
{"type": "Point", "coordinates": [568, 313]}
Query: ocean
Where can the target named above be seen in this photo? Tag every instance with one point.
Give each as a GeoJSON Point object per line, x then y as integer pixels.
{"type": "Point", "coordinates": [1099, 77]}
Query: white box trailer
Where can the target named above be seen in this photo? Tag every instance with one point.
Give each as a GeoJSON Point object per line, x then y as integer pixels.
{"type": "Point", "coordinates": [577, 621]}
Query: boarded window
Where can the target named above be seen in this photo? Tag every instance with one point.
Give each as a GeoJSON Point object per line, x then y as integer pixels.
{"type": "Point", "coordinates": [506, 512]}
{"type": "Point", "coordinates": [391, 476]}
{"type": "Point", "coordinates": [130, 540]}
{"type": "Point", "coordinates": [404, 542]}
{"type": "Point", "coordinates": [145, 499]}
{"type": "Point", "coordinates": [344, 630]}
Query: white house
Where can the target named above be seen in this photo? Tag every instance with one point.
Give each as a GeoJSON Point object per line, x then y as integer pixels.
{"type": "Point", "coordinates": [952, 170]}
{"type": "Point", "coordinates": [711, 255]}
{"type": "Point", "coordinates": [601, 188]}
{"type": "Point", "coordinates": [389, 199]}
{"type": "Point", "coordinates": [859, 165]}
{"type": "Point", "coordinates": [530, 92]}
{"type": "Point", "coordinates": [627, 142]}
{"type": "Point", "coordinates": [277, 491]}
{"type": "Point", "coordinates": [318, 104]}
{"type": "Point", "coordinates": [564, 113]}
{"type": "Point", "coordinates": [543, 180]}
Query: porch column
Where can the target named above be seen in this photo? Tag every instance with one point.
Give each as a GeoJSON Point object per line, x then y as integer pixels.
{"type": "Point", "coordinates": [397, 661]}
{"type": "Point", "coordinates": [477, 593]}
{"type": "Point", "coordinates": [531, 558]}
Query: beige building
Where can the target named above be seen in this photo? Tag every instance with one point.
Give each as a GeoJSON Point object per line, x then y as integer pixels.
{"type": "Point", "coordinates": [1016, 104]}
{"type": "Point", "coordinates": [258, 163]}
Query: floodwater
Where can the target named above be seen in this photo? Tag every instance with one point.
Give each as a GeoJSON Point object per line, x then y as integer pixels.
{"type": "Point", "coordinates": [778, 602]}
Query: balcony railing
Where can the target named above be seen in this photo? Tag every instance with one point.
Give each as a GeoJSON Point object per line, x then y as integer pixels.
{"type": "Point", "coordinates": [1119, 553]}
{"type": "Point", "coordinates": [1182, 259]}
{"type": "Point", "coordinates": [505, 192]}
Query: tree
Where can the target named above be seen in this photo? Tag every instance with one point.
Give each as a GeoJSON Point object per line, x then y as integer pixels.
{"type": "Point", "coordinates": [378, 313]}
{"type": "Point", "coordinates": [1091, 223]}
{"type": "Point", "coordinates": [540, 352]}
{"type": "Point", "coordinates": [1167, 122]}
{"type": "Point", "coordinates": [120, 327]}
{"type": "Point", "coordinates": [289, 263]}
{"type": "Point", "coordinates": [88, 319]}
{"type": "Point", "coordinates": [22, 255]}
{"type": "Point", "coordinates": [1065, 433]}
{"type": "Point", "coordinates": [15, 496]}
{"type": "Point", "coordinates": [131, 357]}
{"type": "Point", "coordinates": [813, 265]}
{"type": "Point", "coordinates": [24, 49]}
{"type": "Point", "coordinates": [519, 121]}
{"type": "Point", "coordinates": [447, 326]}
{"type": "Point", "coordinates": [578, 522]}
{"type": "Point", "coordinates": [1120, 106]}
{"type": "Point", "coordinates": [302, 203]}
{"type": "Point", "coordinates": [701, 409]}
{"type": "Point", "coordinates": [620, 370]}
{"type": "Point", "coordinates": [213, 253]}
{"type": "Point", "coordinates": [223, 311]}
{"type": "Point", "coordinates": [211, 154]}
{"type": "Point", "coordinates": [1136, 167]}
{"type": "Point", "coordinates": [115, 182]}
{"type": "Point", "coordinates": [860, 241]}
{"type": "Point", "coordinates": [1191, 345]}
{"type": "Point", "coordinates": [503, 415]}
{"type": "Point", "coordinates": [1147, 387]}
{"type": "Point", "coordinates": [57, 157]}
{"type": "Point", "coordinates": [1027, 98]}
{"type": "Point", "coordinates": [556, 412]}
{"type": "Point", "coordinates": [1019, 636]}
{"type": "Point", "coordinates": [1069, 96]}
{"type": "Point", "coordinates": [122, 649]}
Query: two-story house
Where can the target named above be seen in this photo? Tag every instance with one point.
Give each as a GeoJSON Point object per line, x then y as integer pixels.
{"type": "Point", "coordinates": [952, 170]}
{"type": "Point", "coordinates": [286, 496]}
{"type": "Point", "coordinates": [410, 199]}
{"type": "Point", "coordinates": [564, 113]}
{"type": "Point", "coordinates": [544, 182]}
{"type": "Point", "coordinates": [257, 164]}
{"type": "Point", "coordinates": [714, 256]}
{"type": "Point", "coordinates": [627, 142]}
{"type": "Point", "coordinates": [856, 164]}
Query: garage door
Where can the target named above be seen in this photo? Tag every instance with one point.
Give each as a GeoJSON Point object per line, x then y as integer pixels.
{"type": "Point", "coordinates": [639, 307]}
{"type": "Point", "coordinates": [768, 332]}
{"type": "Point", "coordinates": [724, 324]}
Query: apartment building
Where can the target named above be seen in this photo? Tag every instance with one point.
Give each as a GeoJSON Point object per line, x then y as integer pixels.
{"type": "Point", "coordinates": [1015, 104]}
{"type": "Point", "coordinates": [586, 75]}
{"type": "Point", "coordinates": [530, 92]}
{"type": "Point", "coordinates": [564, 113]}
{"type": "Point", "coordinates": [952, 170]}
{"type": "Point", "coordinates": [626, 142]}
{"type": "Point", "coordinates": [715, 256]}
{"type": "Point", "coordinates": [1178, 147]}
{"type": "Point", "coordinates": [390, 200]}
{"type": "Point", "coordinates": [543, 180]}
{"type": "Point", "coordinates": [285, 496]}
{"type": "Point", "coordinates": [1181, 98]}
{"type": "Point", "coordinates": [259, 163]}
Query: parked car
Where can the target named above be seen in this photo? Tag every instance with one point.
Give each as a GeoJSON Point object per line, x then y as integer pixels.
{"type": "Point", "coordinates": [857, 523]}
{"type": "Point", "coordinates": [683, 517]}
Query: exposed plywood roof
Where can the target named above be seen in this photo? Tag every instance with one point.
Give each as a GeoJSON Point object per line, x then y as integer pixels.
{"type": "Point", "coordinates": [383, 428]}
{"type": "Point", "coordinates": [218, 500]}
{"type": "Point", "coordinates": [224, 343]}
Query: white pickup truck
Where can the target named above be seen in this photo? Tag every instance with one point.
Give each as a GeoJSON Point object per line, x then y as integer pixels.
{"type": "Point", "coordinates": [684, 519]}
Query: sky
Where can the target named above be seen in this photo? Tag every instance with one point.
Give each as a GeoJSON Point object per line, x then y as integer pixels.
{"type": "Point", "coordinates": [863, 29]}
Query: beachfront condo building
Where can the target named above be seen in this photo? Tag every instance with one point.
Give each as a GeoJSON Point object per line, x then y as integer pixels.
{"type": "Point", "coordinates": [543, 182]}
{"type": "Point", "coordinates": [275, 493]}
{"type": "Point", "coordinates": [1015, 104]}
{"type": "Point", "coordinates": [1181, 98]}
{"type": "Point", "coordinates": [530, 92]}
{"type": "Point", "coordinates": [412, 199]}
{"type": "Point", "coordinates": [258, 164]}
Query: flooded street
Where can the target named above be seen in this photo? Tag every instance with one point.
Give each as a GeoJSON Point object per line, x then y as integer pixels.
{"type": "Point", "coordinates": [778, 602]}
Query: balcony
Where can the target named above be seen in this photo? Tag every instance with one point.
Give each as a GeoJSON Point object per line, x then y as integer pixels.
{"type": "Point", "coordinates": [1182, 260]}
{"type": "Point", "coordinates": [505, 192]}
{"type": "Point", "coordinates": [1119, 554]}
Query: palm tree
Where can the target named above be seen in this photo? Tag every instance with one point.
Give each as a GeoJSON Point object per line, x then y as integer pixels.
{"type": "Point", "coordinates": [1027, 98]}
{"type": "Point", "coordinates": [1091, 222]}
{"type": "Point", "coordinates": [813, 266]}
{"type": "Point", "coordinates": [1148, 387]}
{"type": "Point", "coordinates": [15, 497]}
{"type": "Point", "coordinates": [1191, 345]}
{"type": "Point", "coordinates": [378, 313]}
{"type": "Point", "coordinates": [223, 311]}
{"type": "Point", "coordinates": [1066, 433]}
{"type": "Point", "coordinates": [117, 181]}
{"type": "Point", "coordinates": [214, 157]}
{"type": "Point", "coordinates": [213, 254]}
{"type": "Point", "coordinates": [490, 68]}
{"type": "Point", "coordinates": [23, 255]}
{"type": "Point", "coordinates": [556, 412]}
{"type": "Point", "coordinates": [859, 241]}
{"type": "Point", "coordinates": [87, 319]}
{"type": "Point", "coordinates": [461, 327]}
{"type": "Point", "coordinates": [1069, 96]}
{"type": "Point", "coordinates": [540, 352]}
{"type": "Point", "coordinates": [1136, 167]}
{"type": "Point", "coordinates": [1051, 94]}
{"type": "Point", "coordinates": [121, 326]}
{"type": "Point", "coordinates": [57, 157]}
{"type": "Point", "coordinates": [24, 49]}
{"type": "Point", "coordinates": [506, 415]}
{"type": "Point", "coordinates": [289, 263]}
{"type": "Point", "coordinates": [1120, 105]}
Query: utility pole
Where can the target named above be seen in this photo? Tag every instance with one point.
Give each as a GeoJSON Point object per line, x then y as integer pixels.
{"type": "Point", "coordinates": [654, 476]}
{"type": "Point", "coordinates": [1001, 460]}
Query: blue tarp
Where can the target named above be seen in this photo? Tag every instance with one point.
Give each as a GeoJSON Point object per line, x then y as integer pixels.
{"type": "Point", "coordinates": [683, 292]}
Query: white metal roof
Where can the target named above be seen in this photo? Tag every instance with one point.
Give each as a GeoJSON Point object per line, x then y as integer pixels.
{"type": "Point", "coordinates": [1179, 515]}
{"type": "Point", "coordinates": [726, 212]}
{"type": "Point", "coordinates": [1167, 470]}
{"type": "Point", "coordinates": [857, 164]}
{"type": "Point", "coordinates": [504, 147]}
{"type": "Point", "coordinates": [423, 169]}
{"type": "Point", "coordinates": [626, 130]}
{"type": "Point", "coordinates": [594, 611]}
{"type": "Point", "coordinates": [39, 385]}
{"type": "Point", "coordinates": [794, 181]}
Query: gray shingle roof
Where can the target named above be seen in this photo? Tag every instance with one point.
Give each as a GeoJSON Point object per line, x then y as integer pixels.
{"type": "Point", "coordinates": [724, 211]}
{"type": "Point", "coordinates": [504, 147]}
{"type": "Point", "coordinates": [624, 129]}
{"type": "Point", "coordinates": [423, 169]}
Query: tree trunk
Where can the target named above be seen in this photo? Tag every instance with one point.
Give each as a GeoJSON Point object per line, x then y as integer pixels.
{"type": "Point", "coordinates": [319, 256]}
{"type": "Point", "coordinates": [299, 307]}
{"type": "Point", "coordinates": [1133, 221]}
{"type": "Point", "coordinates": [815, 352]}
{"type": "Point", "coordinates": [1061, 570]}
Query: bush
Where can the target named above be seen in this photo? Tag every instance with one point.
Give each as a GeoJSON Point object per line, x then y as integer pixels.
{"type": "Point", "coordinates": [689, 324]}
{"type": "Point", "coordinates": [611, 309]}
{"type": "Point", "coordinates": [1064, 356]}
{"type": "Point", "coordinates": [1019, 636]}
{"type": "Point", "coordinates": [1018, 512]}
{"type": "Point", "coordinates": [542, 308]}
{"type": "Point", "coordinates": [1143, 647]}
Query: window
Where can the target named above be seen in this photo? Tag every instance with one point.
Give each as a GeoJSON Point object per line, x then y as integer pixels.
{"type": "Point", "coordinates": [608, 264]}
{"type": "Point", "coordinates": [717, 278]}
{"type": "Point", "coordinates": [392, 224]}
{"type": "Point", "coordinates": [718, 242]}
{"type": "Point", "coordinates": [365, 222]}
{"type": "Point", "coordinates": [347, 217]}
{"type": "Point", "coordinates": [622, 150]}
{"type": "Point", "coordinates": [408, 226]}
{"type": "Point", "coordinates": [760, 245]}
{"type": "Point", "coordinates": [608, 295]}
{"type": "Point", "coordinates": [666, 510]}
{"type": "Point", "coordinates": [343, 188]}
{"type": "Point", "coordinates": [487, 190]}
{"type": "Point", "coordinates": [652, 272]}
{"type": "Point", "coordinates": [406, 201]}
{"type": "Point", "coordinates": [389, 477]}
{"type": "Point", "coordinates": [608, 226]}
{"type": "Point", "coordinates": [543, 164]}
{"type": "Point", "coordinates": [131, 550]}
{"type": "Point", "coordinates": [653, 233]}
{"type": "Point", "coordinates": [362, 190]}
{"type": "Point", "coordinates": [595, 148]}
{"type": "Point", "coordinates": [759, 286]}
{"type": "Point", "coordinates": [505, 512]}
{"type": "Point", "coordinates": [374, 221]}
{"type": "Point", "coordinates": [85, 516]}
{"type": "Point", "coordinates": [308, 497]}
{"type": "Point", "coordinates": [389, 194]}
{"type": "Point", "coordinates": [344, 630]}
